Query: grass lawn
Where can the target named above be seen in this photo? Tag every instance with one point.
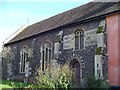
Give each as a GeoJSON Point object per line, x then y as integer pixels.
{"type": "Point", "coordinates": [13, 84]}
{"type": "Point", "coordinates": [4, 86]}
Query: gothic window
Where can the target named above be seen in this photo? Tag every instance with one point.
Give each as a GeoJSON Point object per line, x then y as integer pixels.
{"type": "Point", "coordinates": [23, 59]}
{"type": "Point", "coordinates": [79, 39]}
{"type": "Point", "coordinates": [46, 55]}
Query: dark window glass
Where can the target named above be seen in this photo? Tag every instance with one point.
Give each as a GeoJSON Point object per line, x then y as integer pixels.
{"type": "Point", "coordinates": [97, 65]}
{"type": "Point", "coordinates": [81, 41]}
{"type": "Point", "coordinates": [76, 42]}
{"type": "Point", "coordinates": [24, 62]}
{"type": "Point", "coordinates": [50, 52]}
{"type": "Point", "coordinates": [43, 60]}
{"type": "Point", "coordinates": [46, 58]}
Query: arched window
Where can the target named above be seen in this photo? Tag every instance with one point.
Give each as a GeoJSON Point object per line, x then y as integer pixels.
{"type": "Point", "coordinates": [79, 39]}
{"type": "Point", "coordinates": [46, 55]}
{"type": "Point", "coordinates": [23, 59]}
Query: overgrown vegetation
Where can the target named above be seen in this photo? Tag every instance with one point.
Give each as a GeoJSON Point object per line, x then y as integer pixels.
{"type": "Point", "coordinates": [55, 79]}
{"type": "Point", "coordinates": [92, 82]}
{"type": "Point", "coordinates": [98, 51]}
{"type": "Point", "coordinates": [60, 77]}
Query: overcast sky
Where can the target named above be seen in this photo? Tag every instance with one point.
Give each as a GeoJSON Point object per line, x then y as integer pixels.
{"type": "Point", "coordinates": [16, 13]}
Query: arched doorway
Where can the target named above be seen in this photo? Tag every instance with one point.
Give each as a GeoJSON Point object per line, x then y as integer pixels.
{"type": "Point", "coordinates": [75, 65]}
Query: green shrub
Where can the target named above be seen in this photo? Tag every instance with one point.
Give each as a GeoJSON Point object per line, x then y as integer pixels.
{"type": "Point", "coordinates": [92, 82]}
{"type": "Point", "coordinates": [59, 77]}
{"type": "Point", "coordinates": [105, 84]}
{"type": "Point", "coordinates": [100, 29]}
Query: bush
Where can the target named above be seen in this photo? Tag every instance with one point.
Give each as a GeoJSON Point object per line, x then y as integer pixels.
{"type": "Point", "coordinates": [60, 77]}
{"type": "Point", "coordinates": [92, 82]}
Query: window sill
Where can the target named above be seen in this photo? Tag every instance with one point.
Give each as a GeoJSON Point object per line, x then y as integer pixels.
{"type": "Point", "coordinates": [79, 49]}
{"type": "Point", "coordinates": [22, 72]}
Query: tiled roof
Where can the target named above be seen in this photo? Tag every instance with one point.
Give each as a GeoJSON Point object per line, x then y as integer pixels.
{"type": "Point", "coordinates": [83, 12]}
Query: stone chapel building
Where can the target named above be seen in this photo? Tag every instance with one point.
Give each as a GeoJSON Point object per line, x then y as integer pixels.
{"type": "Point", "coordinates": [86, 37]}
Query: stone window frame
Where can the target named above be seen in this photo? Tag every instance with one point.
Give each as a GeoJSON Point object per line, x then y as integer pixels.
{"type": "Point", "coordinates": [46, 55]}
{"type": "Point", "coordinates": [23, 59]}
{"type": "Point", "coordinates": [78, 33]}
{"type": "Point", "coordinates": [98, 67]}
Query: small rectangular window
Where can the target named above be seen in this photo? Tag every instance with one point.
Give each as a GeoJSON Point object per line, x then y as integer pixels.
{"type": "Point", "coordinates": [97, 65]}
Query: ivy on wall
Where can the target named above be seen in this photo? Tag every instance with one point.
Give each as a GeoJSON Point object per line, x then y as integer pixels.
{"type": "Point", "coordinates": [98, 51]}
{"type": "Point", "coordinates": [100, 29]}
